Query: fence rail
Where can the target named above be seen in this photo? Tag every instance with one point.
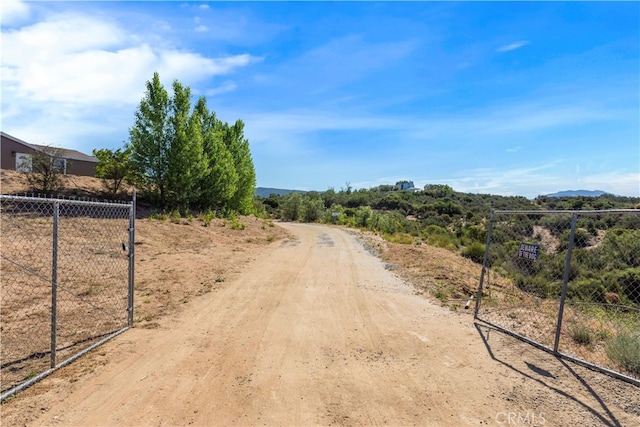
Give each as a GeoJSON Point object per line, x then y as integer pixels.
{"type": "Point", "coordinates": [567, 282]}
{"type": "Point", "coordinates": [67, 282]}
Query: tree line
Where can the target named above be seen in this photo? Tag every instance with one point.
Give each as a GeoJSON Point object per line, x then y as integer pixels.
{"type": "Point", "coordinates": [182, 156]}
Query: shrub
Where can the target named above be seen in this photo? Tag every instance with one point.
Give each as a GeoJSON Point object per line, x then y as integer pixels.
{"type": "Point", "coordinates": [160, 216]}
{"type": "Point", "coordinates": [236, 224]}
{"type": "Point", "coordinates": [175, 216]}
{"type": "Point", "coordinates": [588, 290]}
{"type": "Point", "coordinates": [624, 349]}
{"type": "Point", "coordinates": [538, 286]}
{"type": "Point", "coordinates": [435, 235]}
{"type": "Point", "coordinates": [402, 238]}
{"type": "Point", "coordinates": [206, 217]}
{"type": "Point", "coordinates": [475, 252]}
{"type": "Point", "coordinates": [581, 334]}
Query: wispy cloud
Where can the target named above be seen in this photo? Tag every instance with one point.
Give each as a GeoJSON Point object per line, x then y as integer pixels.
{"type": "Point", "coordinates": [227, 86]}
{"type": "Point", "coordinates": [512, 46]}
{"type": "Point", "coordinates": [524, 181]}
{"type": "Point", "coordinates": [621, 183]}
{"type": "Point", "coordinates": [339, 62]}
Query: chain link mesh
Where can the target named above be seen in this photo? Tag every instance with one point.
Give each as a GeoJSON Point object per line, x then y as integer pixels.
{"type": "Point", "coordinates": [528, 262]}
{"type": "Point", "coordinates": [92, 280]}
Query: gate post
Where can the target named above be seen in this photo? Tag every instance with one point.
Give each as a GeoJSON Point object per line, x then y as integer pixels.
{"type": "Point", "coordinates": [132, 241]}
{"type": "Point", "coordinates": [484, 265]}
{"type": "Point", "coordinates": [565, 281]}
{"type": "Point", "coordinates": [54, 281]}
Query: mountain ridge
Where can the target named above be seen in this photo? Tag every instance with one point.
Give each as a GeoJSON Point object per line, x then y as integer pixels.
{"type": "Point", "coordinates": [578, 193]}
{"type": "Point", "coordinates": [267, 191]}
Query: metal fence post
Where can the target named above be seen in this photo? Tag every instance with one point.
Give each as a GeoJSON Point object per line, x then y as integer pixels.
{"type": "Point", "coordinates": [565, 282]}
{"type": "Point", "coordinates": [54, 282]}
{"type": "Point", "coordinates": [132, 241]}
{"type": "Point", "coordinates": [484, 265]}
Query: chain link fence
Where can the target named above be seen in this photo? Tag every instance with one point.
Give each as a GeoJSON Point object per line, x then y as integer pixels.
{"type": "Point", "coordinates": [568, 282]}
{"type": "Point", "coordinates": [67, 279]}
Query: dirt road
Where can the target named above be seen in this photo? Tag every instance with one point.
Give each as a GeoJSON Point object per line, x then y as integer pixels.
{"type": "Point", "coordinates": [317, 332]}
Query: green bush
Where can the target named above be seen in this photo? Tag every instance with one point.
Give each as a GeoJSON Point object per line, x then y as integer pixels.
{"type": "Point", "coordinates": [476, 233]}
{"type": "Point", "coordinates": [588, 290]}
{"type": "Point", "coordinates": [206, 217]}
{"type": "Point", "coordinates": [475, 252]}
{"type": "Point", "coordinates": [581, 334]}
{"type": "Point", "coordinates": [175, 216]}
{"type": "Point", "coordinates": [624, 349]}
{"type": "Point", "coordinates": [236, 224]}
{"type": "Point", "coordinates": [538, 286]}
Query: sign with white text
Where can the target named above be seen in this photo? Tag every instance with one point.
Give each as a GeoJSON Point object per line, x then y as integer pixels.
{"type": "Point", "coordinates": [528, 251]}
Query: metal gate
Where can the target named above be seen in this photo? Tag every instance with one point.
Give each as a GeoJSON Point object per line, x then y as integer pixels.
{"type": "Point", "coordinates": [567, 282]}
{"type": "Point", "coordinates": [67, 282]}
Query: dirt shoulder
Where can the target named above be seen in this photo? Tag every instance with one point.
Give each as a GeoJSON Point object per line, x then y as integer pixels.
{"type": "Point", "coordinates": [301, 325]}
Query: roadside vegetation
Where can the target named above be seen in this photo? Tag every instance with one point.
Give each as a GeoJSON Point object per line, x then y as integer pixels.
{"type": "Point", "coordinates": [436, 215]}
{"type": "Point", "coordinates": [604, 280]}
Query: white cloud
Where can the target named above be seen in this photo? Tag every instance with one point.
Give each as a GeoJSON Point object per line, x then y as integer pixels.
{"type": "Point", "coordinates": [80, 59]}
{"type": "Point", "coordinates": [201, 29]}
{"type": "Point", "coordinates": [512, 46]}
{"type": "Point", "coordinates": [60, 34]}
{"type": "Point", "coordinates": [75, 79]}
{"type": "Point", "coordinates": [13, 11]}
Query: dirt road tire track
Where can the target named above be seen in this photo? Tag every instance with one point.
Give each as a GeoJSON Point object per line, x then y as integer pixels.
{"type": "Point", "coordinates": [318, 332]}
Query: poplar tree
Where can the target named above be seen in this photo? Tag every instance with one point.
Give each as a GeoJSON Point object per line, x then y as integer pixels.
{"type": "Point", "coordinates": [185, 159]}
{"type": "Point", "coordinates": [220, 182]}
{"type": "Point", "coordinates": [149, 142]}
{"type": "Point", "coordinates": [238, 146]}
{"type": "Point", "coordinates": [186, 162]}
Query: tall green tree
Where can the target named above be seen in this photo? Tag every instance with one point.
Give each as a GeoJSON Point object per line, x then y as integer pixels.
{"type": "Point", "coordinates": [238, 146]}
{"type": "Point", "coordinates": [189, 159]}
{"type": "Point", "coordinates": [220, 182]}
{"type": "Point", "coordinates": [149, 142]}
{"type": "Point", "coordinates": [187, 163]}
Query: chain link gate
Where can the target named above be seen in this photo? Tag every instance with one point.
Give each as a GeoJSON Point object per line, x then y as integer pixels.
{"type": "Point", "coordinates": [66, 268]}
{"type": "Point", "coordinates": [567, 282]}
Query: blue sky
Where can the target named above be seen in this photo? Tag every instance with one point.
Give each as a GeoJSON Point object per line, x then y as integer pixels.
{"type": "Point", "coordinates": [506, 98]}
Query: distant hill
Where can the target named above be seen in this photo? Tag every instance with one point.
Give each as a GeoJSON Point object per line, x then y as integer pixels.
{"type": "Point", "coordinates": [577, 193]}
{"type": "Point", "coordinates": [266, 192]}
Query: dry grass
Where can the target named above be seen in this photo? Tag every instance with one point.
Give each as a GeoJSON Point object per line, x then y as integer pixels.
{"type": "Point", "coordinates": [12, 182]}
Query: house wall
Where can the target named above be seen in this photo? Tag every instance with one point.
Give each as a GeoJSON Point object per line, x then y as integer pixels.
{"type": "Point", "coordinates": [82, 168]}
{"type": "Point", "coordinates": [9, 148]}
